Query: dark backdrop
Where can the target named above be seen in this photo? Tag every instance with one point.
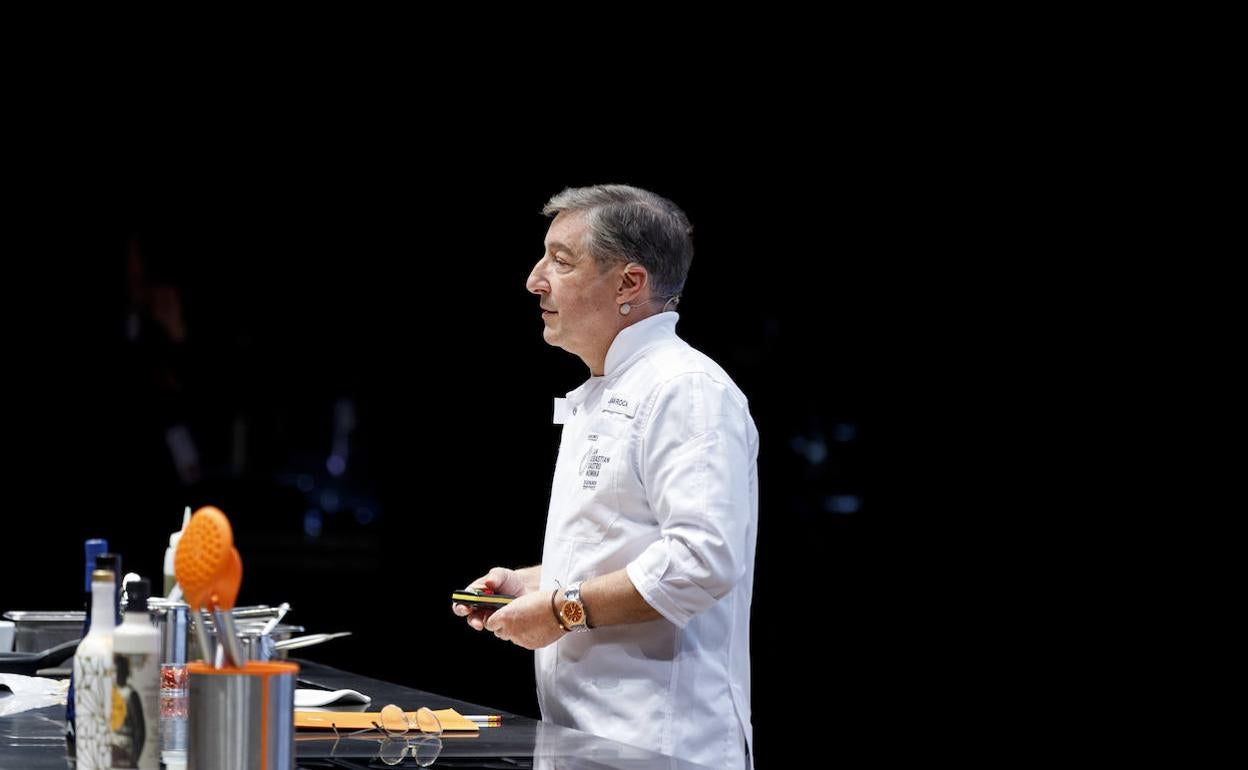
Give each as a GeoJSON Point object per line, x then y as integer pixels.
{"type": "Point", "coordinates": [393, 296]}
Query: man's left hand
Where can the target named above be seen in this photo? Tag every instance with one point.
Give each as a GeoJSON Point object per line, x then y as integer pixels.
{"type": "Point", "coordinates": [527, 621]}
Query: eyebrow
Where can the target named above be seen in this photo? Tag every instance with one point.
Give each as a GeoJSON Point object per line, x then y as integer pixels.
{"type": "Point", "coordinates": [554, 246]}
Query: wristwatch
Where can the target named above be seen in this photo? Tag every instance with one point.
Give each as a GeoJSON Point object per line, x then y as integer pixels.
{"type": "Point", "coordinates": [572, 612]}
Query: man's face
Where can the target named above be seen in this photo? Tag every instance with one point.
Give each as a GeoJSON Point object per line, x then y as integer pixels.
{"type": "Point", "coordinates": [577, 299]}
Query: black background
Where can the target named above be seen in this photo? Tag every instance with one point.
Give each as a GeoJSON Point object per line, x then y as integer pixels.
{"type": "Point", "coordinates": [395, 279]}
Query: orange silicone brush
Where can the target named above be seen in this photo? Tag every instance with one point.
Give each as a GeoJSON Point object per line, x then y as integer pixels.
{"type": "Point", "coordinates": [210, 571]}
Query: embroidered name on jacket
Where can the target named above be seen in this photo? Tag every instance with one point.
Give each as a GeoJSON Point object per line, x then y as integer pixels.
{"type": "Point", "coordinates": [592, 463]}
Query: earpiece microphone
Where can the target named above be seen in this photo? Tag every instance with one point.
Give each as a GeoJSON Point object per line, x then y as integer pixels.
{"type": "Point", "coordinates": [673, 300]}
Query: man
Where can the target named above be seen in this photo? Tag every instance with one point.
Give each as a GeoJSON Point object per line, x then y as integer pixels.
{"type": "Point", "coordinates": [639, 611]}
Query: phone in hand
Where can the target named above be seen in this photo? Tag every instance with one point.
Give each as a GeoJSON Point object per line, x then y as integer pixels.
{"type": "Point", "coordinates": [481, 597]}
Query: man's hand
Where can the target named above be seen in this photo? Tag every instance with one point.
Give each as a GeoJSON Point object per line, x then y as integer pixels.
{"type": "Point", "coordinates": [500, 580]}
{"type": "Point", "coordinates": [527, 622]}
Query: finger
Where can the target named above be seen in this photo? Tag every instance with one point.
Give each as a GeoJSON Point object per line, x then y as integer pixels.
{"type": "Point", "coordinates": [497, 619]}
{"type": "Point", "coordinates": [460, 609]}
{"type": "Point", "coordinates": [496, 578]}
{"type": "Point", "coordinates": [478, 617]}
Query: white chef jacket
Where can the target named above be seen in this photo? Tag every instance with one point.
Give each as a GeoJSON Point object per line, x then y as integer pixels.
{"type": "Point", "coordinates": [657, 473]}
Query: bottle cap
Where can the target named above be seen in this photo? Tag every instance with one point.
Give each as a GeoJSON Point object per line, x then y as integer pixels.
{"type": "Point", "coordinates": [93, 547]}
{"type": "Point", "coordinates": [110, 562]}
{"type": "Point", "coordinates": [137, 594]}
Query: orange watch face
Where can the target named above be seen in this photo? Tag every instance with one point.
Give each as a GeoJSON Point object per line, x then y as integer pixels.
{"type": "Point", "coordinates": [572, 613]}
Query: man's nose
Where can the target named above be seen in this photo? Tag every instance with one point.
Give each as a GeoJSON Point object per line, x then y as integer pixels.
{"type": "Point", "coordinates": [537, 282]}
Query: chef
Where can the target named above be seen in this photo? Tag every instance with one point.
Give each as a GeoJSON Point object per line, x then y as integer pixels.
{"type": "Point", "coordinates": [639, 612]}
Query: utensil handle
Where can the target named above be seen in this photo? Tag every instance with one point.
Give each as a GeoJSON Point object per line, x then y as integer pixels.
{"type": "Point", "coordinates": [227, 634]}
{"type": "Point", "coordinates": [272, 624]}
{"type": "Point", "coordinates": [201, 636]}
{"type": "Point", "coordinates": [307, 641]}
{"type": "Point", "coordinates": [258, 611]}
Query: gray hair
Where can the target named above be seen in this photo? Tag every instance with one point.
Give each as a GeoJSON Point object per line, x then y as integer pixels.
{"type": "Point", "coordinates": [628, 224]}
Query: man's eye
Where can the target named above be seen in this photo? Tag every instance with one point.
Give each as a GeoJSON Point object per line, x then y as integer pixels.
{"type": "Point", "coordinates": [562, 262]}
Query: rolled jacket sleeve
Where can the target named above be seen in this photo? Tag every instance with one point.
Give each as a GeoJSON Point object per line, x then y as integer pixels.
{"type": "Point", "coordinates": [694, 458]}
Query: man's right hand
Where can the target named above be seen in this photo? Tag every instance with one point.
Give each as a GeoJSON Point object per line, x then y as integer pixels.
{"type": "Point", "coordinates": [500, 580]}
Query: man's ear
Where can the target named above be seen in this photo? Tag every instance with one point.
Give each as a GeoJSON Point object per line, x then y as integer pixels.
{"type": "Point", "coordinates": [634, 282]}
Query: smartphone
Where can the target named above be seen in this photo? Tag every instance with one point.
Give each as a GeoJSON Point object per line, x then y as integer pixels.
{"type": "Point", "coordinates": [474, 597]}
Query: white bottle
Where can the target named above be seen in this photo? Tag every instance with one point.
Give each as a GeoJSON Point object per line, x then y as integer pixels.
{"type": "Point", "coordinates": [135, 720]}
{"type": "Point", "coordinates": [93, 677]}
{"type": "Point", "coordinates": [171, 578]}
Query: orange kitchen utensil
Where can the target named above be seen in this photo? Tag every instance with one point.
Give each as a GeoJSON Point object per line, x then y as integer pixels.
{"type": "Point", "coordinates": [219, 596]}
{"type": "Point", "coordinates": [210, 571]}
{"type": "Point", "coordinates": [223, 591]}
{"type": "Point", "coordinates": [203, 551]}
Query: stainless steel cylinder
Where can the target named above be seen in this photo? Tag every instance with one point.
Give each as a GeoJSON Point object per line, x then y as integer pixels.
{"type": "Point", "coordinates": [245, 628]}
{"type": "Point", "coordinates": [257, 645]}
{"type": "Point", "coordinates": [173, 620]}
{"type": "Point", "coordinates": [242, 718]}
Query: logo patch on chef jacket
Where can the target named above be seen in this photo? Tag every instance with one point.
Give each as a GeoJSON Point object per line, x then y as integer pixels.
{"type": "Point", "coordinates": [592, 466]}
{"type": "Point", "coordinates": [620, 403]}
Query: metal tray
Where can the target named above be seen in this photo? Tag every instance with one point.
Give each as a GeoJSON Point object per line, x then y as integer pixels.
{"type": "Point", "coordinates": [38, 631]}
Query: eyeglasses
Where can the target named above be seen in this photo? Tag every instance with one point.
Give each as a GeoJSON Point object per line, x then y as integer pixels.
{"type": "Point", "coordinates": [393, 723]}
{"type": "Point", "coordinates": [424, 750]}
{"type": "Point", "coordinates": [396, 723]}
